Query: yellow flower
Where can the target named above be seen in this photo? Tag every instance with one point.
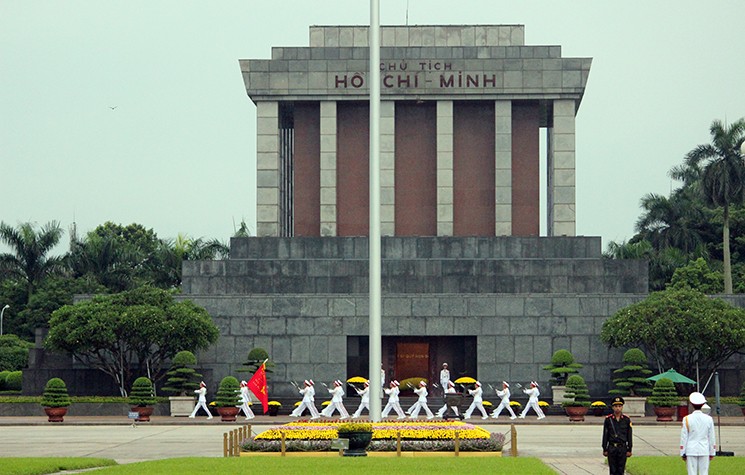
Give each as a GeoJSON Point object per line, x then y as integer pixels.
{"type": "Point", "coordinates": [598, 404]}
{"type": "Point", "coordinates": [543, 404]}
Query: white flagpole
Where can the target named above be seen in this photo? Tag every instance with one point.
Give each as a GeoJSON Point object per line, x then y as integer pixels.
{"type": "Point", "coordinates": [374, 252]}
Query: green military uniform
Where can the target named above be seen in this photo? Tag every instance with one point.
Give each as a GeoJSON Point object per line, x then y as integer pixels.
{"type": "Point", "coordinates": [617, 440]}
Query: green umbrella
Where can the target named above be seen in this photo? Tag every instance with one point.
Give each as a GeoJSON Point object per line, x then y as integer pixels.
{"type": "Point", "coordinates": [674, 376]}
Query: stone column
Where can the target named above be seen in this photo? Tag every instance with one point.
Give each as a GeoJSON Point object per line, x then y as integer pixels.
{"type": "Point", "coordinates": [387, 168]}
{"type": "Point", "coordinates": [328, 168]}
{"type": "Point", "coordinates": [444, 168]}
{"type": "Point", "coordinates": [561, 204]}
{"type": "Point", "coordinates": [267, 165]}
{"type": "Point", "coordinates": [503, 168]}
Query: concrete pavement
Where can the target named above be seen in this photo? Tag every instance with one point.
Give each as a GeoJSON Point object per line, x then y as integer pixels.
{"type": "Point", "coordinates": [570, 448]}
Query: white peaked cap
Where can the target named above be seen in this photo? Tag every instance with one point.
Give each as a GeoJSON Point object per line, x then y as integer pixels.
{"type": "Point", "coordinates": [534, 383]}
{"type": "Point", "coordinates": [422, 383]}
{"type": "Point", "coordinates": [451, 384]}
{"type": "Point", "coordinates": [243, 383]}
{"type": "Point", "coordinates": [478, 384]}
{"type": "Point", "coordinates": [306, 382]}
{"type": "Point", "coordinates": [311, 382]}
{"type": "Point", "coordinates": [395, 383]}
{"type": "Point", "coordinates": [202, 383]}
{"type": "Point", "coordinates": [506, 383]}
{"type": "Point", "coordinates": [697, 399]}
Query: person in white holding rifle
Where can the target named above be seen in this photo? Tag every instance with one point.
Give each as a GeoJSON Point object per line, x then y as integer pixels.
{"type": "Point", "coordinates": [533, 394]}
{"type": "Point", "coordinates": [504, 394]}
{"type": "Point", "coordinates": [337, 402]}
{"type": "Point", "coordinates": [309, 394]}
{"type": "Point", "coordinates": [477, 403]}
{"type": "Point", "coordinates": [421, 403]}
{"type": "Point", "coordinates": [393, 402]}
{"type": "Point", "coordinates": [365, 403]}
{"type": "Point", "coordinates": [244, 401]}
{"type": "Point", "coordinates": [201, 401]}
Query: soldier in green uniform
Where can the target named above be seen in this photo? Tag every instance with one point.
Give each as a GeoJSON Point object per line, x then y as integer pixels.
{"type": "Point", "coordinates": [617, 438]}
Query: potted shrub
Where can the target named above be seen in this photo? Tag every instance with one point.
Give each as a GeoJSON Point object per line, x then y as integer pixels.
{"type": "Point", "coordinates": [598, 408]}
{"type": "Point", "coordinates": [228, 399]}
{"type": "Point", "coordinates": [359, 435]}
{"type": "Point", "coordinates": [577, 401]}
{"type": "Point", "coordinates": [55, 400]}
{"type": "Point", "coordinates": [665, 399]}
{"type": "Point", "coordinates": [182, 381]}
{"type": "Point", "coordinates": [562, 365]}
{"type": "Point", "coordinates": [632, 383]}
{"type": "Point", "coordinates": [741, 401]}
{"type": "Point", "coordinates": [273, 408]}
{"type": "Point", "coordinates": [141, 398]}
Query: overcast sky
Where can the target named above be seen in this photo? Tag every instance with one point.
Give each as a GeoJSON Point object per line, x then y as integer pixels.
{"type": "Point", "coordinates": [136, 111]}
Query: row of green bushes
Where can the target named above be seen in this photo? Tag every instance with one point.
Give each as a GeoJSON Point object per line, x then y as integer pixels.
{"type": "Point", "coordinates": [11, 380]}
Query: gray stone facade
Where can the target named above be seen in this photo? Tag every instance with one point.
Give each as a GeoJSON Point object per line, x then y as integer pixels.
{"type": "Point", "coordinates": [522, 298]}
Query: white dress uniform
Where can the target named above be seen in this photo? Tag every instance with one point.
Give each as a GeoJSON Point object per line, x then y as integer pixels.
{"type": "Point", "coordinates": [365, 403]}
{"type": "Point", "coordinates": [337, 404]}
{"type": "Point", "coordinates": [450, 389]}
{"type": "Point", "coordinates": [478, 402]}
{"type": "Point", "coordinates": [393, 401]}
{"type": "Point", "coordinates": [533, 394]}
{"type": "Point", "coordinates": [444, 377]}
{"type": "Point", "coordinates": [421, 403]}
{"type": "Point", "coordinates": [504, 394]}
{"type": "Point", "coordinates": [697, 438]}
{"type": "Point", "coordinates": [309, 394]}
{"type": "Point", "coordinates": [244, 401]}
{"type": "Point", "coordinates": [201, 401]}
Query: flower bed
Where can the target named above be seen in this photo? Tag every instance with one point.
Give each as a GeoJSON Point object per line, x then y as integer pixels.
{"type": "Point", "coordinates": [415, 436]}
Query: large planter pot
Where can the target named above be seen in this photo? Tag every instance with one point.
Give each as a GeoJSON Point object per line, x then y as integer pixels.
{"type": "Point", "coordinates": [181, 406]}
{"type": "Point", "coordinates": [144, 413]}
{"type": "Point", "coordinates": [665, 414]}
{"type": "Point", "coordinates": [743, 410]}
{"type": "Point", "coordinates": [576, 413]}
{"type": "Point", "coordinates": [559, 394]}
{"type": "Point", "coordinates": [358, 442]}
{"type": "Point", "coordinates": [227, 414]}
{"type": "Point", "coordinates": [55, 414]}
{"type": "Point", "coordinates": [634, 406]}
{"type": "Point", "coordinates": [598, 411]}
{"type": "Point", "coordinates": [272, 410]}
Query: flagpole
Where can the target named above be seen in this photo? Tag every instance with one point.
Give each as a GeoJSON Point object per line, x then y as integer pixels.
{"type": "Point", "coordinates": [374, 253]}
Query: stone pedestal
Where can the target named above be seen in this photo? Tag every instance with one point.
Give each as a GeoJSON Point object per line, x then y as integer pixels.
{"type": "Point", "coordinates": [559, 394]}
{"type": "Point", "coordinates": [181, 406]}
{"type": "Point", "coordinates": [634, 406]}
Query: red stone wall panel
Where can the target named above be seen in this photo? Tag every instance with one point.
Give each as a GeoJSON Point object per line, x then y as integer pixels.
{"type": "Point", "coordinates": [416, 169]}
{"type": "Point", "coordinates": [352, 168]}
{"type": "Point", "coordinates": [525, 169]}
{"type": "Point", "coordinates": [473, 168]}
{"type": "Point", "coordinates": [307, 156]}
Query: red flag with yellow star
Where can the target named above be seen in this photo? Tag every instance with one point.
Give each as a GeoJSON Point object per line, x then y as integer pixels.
{"type": "Point", "coordinates": [257, 385]}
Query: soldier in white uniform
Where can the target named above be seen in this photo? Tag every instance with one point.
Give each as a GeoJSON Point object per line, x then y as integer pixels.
{"type": "Point", "coordinates": [478, 402]}
{"type": "Point", "coordinates": [365, 403]}
{"type": "Point", "coordinates": [533, 394]}
{"type": "Point", "coordinates": [337, 404]}
{"type": "Point", "coordinates": [444, 377]}
{"type": "Point", "coordinates": [309, 394]}
{"type": "Point", "coordinates": [505, 404]}
{"type": "Point", "coordinates": [421, 403]}
{"type": "Point", "coordinates": [393, 403]}
{"type": "Point", "coordinates": [382, 377]}
{"type": "Point", "coordinates": [201, 401]}
{"type": "Point", "coordinates": [244, 401]}
{"type": "Point", "coordinates": [698, 443]}
{"type": "Point", "coordinates": [449, 389]}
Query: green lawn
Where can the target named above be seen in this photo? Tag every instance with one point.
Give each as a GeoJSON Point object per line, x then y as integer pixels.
{"type": "Point", "coordinates": [41, 465]}
{"type": "Point", "coordinates": [333, 465]}
{"type": "Point", "coordinates": [676, 466]}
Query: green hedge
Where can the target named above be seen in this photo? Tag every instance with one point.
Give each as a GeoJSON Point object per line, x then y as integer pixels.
{"type": "Point", "coordinates": [14, 381]}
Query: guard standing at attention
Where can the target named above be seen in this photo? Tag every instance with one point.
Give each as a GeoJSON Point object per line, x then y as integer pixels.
{"type": "Point", "coordinates": [617, 440]}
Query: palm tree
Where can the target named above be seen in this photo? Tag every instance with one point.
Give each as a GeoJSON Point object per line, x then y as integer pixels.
{"type": "Point", "coordinates": [723, 177]}
{"type": "Point", "coordinates": [172, 252]}
{"type": "Point", "coordinates": [29, 262]}
{"type": "Point", "coordinates": [103, 259]}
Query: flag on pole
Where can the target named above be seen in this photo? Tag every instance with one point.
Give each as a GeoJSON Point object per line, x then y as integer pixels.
{"type": "Point", "coordinates": [257, 385]}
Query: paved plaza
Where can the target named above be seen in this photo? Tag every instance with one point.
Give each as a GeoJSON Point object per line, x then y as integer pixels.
{"type": "Point", "coordinates": [570, 448]}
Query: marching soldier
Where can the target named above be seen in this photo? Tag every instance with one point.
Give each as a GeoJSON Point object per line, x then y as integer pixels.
{"type": "Point", "coordinates": [533, 394]}
{"type": "Point", "coordinates": [617, 440]}
{"type": "Point", "coordinates": [202, 401]}
{"type": "Point", "coordinates": [505, 404]}
{"type": "Point", "coordinates": [478, 402]}
{"type": "Point", "coordinates": [365, 403]}
{"type": "Point", "coordinates": [393, 401]}
{"type": "Point", "coordinates": [449, 390]}
{"type": "Point", "coordinates": [421, 403]}
{"type": "Point", "coordinates": [337, 398]}
{"type": "Point", "coordinates": [309, 394]}
{"type": "Point", "coordinates": [244, 401]}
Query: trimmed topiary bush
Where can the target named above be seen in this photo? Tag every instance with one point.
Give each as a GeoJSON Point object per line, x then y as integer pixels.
{"type": "Point", "coordinates": [664, 394]}
{"type": "Point", "coordinates": [632, 378]}
{"type": "Point", "coordinates": [562, 364]}
{"type": "Point", "coordinates": [142, 393]}
{"type": "Point", "coordinates": [228, 393]}
{"type": "Point", "coordinates": [255, 358]}
{"type": "Point", "coordinates": [182, 377]}
{"type": "Point", "coordinates": [577, 393]}
{"type": "Point", "coordinates": [3, 375]}
{"type": "Point", "coordinates": [13, 353]}
{"type": "Point", "coordinates": [55, 394]}
{"type": "Point", "coordinates": [14, 381]}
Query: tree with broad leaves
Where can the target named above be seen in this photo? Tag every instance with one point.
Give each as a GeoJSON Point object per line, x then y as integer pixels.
{"type": "Point", "coordinates": [131, 333]}
{"type": "Point", "coordinates": [679, 328]}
